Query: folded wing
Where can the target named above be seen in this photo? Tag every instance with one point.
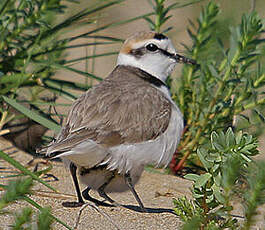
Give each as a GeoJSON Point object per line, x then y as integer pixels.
{"type": "Point", "coordinates": [111, 114]}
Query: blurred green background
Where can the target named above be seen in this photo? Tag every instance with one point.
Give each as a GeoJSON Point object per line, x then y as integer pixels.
{"type": "Point", "coordinates": [231, 12]}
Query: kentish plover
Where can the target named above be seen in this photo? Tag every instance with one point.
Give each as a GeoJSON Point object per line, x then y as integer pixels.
{"type": "Point", "coordinates": [125, 122]}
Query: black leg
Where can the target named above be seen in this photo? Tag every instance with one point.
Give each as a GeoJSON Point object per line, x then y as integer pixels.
{"type": "Point", "coordinates": [86, 196]}
{"type": "Point", "coordinates": [128, 181]}
{"type": "Point", "coordinates": [80, 202]}
{"type": "Point", "coordinates": [102, 193]}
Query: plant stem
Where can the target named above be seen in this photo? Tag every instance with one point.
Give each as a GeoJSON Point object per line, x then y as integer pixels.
{"type": "Point", "coordinates": [250, 105]}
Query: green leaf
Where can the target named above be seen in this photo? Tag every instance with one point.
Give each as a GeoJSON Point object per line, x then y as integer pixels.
{"type": "Point", "coordinates": [218, 141]}
{"type": "Point", "coordinates": [87, 34]}
{"type": "Point", "coordinates": [20, 167]}
{"type": "Point", "coordinates": [193, 177]}
{"type": "Point", "coordinates": [209, 199]}
{"type": "Point", "coordinates": [230, 137]}
{"type": "Point", "coordinates": [246, 158]}
{"type": "Point", "coordinates": [54, 88]}
{"type": "Point", "coordinates": [109, 38]}
{"type": "Point", "coordinates": [60, 66]}
{"type": "Point", "coordinates": [213, 71]}
{"type": "Point", "coordinates": [239, 136]}
{"type": "Point", "coordinates": [56, 49]}
{"type": "Point", "coordinates": [217, 193]}
{"type": "Point", "coordinates": [201, 153]}
{"type": "Point", "coordinates": [245, 117]}
{"type": "Point", "coordinates": [91, 57]}
{"type": "Point", "coordinates": [15, 190]}
{"type": "Point", "coordinates": [151, 23]}
{"type": "Point", "coordinates": [14, 78]}
{"type": "Point", "coordinates": [215, 167]}
{"type": "Point", "coordinates": [32, 115]}
{"type": "Point", "coordinates": [187, 3]}
{"type": "Point", "coordinates": [44, 219]}
{"type": "Point", "coordinates": [23, 217]}
{"type": "Point", "coordinates": [197, 195]}
{"type": "Point", "coordinates": [66, 84]}
{"type": "Point", "coordinates": [202, 180]}
{"type": "Point", "coordinates": [217, 178]}
{"type": "Point", "coordinates": [260, 115]}
{"type": "Point", "coordinates": [194, 223]}
{"type": "Point", "coordinates": [4, 5]}
{"type": "Point", "coordinates": [36, 205]}
{"type": "Point", "coordinates": [70, 20]}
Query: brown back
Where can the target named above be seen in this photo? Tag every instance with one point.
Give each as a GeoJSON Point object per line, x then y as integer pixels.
{"type": "Point", "coordinates": [122, 109]}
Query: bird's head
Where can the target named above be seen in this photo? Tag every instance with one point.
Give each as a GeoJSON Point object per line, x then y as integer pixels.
{"type": "Point", "coordinates": [151, 52]}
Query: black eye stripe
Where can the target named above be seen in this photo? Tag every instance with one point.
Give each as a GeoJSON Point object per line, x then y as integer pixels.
{"type": "Point", "coordinates": [138, 53]}
{"type": "Point", "coordinates": [166, 53]}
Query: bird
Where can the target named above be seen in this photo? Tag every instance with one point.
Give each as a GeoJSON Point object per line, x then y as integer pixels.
{"type": "Point", "coordinates": [123, 123]}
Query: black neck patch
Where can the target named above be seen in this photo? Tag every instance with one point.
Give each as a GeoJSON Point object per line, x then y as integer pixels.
{"type": "Point", "coordinates": [143, 75]}
{"type": "Point", "coordinates": [160, 36]}
{"type": "Point", "coordinates": [150, 78]}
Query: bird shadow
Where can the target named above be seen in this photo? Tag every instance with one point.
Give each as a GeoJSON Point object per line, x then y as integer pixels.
{"type": "Point", "coordinates": [130, 207]}
{"type": "Point", "coordinates": [149, 210]}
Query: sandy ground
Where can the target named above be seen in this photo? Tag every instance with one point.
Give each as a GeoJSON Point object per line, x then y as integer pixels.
{"type": "Point", "coordinates": [156, 190]}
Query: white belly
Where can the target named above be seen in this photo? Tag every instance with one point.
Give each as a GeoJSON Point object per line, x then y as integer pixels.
{"type": "Point", "coordinates": [95, 179]}
{"type": "Point", "coordinates": [159, 151]}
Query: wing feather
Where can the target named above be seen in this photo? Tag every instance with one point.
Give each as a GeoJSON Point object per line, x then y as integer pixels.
{"type": "Point", "coordinates": [113, 113]}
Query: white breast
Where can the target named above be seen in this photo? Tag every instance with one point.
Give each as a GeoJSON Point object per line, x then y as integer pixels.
{"type": "Point", "coordinates": [159, 151]}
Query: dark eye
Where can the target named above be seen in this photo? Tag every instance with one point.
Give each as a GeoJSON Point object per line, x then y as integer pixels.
{"type": "Point", "coordinates": [152, 47]}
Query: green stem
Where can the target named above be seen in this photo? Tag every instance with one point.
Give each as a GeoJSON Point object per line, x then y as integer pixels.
{"type": "Point", "coordinates": [157, 24]}
{"type": "Point", "coordinates": [225, 78]}
{"type": "Point", "coordinates": [220, 88]}
{"type": "Point", "coordinates": [250, 105]}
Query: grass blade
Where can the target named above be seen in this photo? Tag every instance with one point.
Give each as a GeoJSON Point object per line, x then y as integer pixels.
{"type": "Point", "coordinates": [66, 84]}
{"type": "Point", "coordinates": [107, 26]}
{"type": "Point", "coordinates": [36, 205]}
{"type": "Point", "coordinates": [3, 7]}
{"type": "Point", "coordinates": [56, 49]}
{"type": "Point", "coordinates": [19, 166]}
{"type": "Point", "coordinates": [60, 66]}
{"type": "Point", "coordinates": [54, 88]}
{"type": "Point", "coordinates": [113, 39]}
{"type": "Point", "coordinates": [32, 115]}
{"type": "Point", "coordinates": [92, 56]}
{"type": "Point", "coordinates": [71, 20]}
{"type": "Point", "coordinates": [177, 6]}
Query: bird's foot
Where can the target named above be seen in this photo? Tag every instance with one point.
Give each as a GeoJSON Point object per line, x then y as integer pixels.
{"type": "Point", "coordinates": [72, 204]}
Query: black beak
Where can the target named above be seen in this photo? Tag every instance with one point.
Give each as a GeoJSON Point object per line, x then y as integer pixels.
{"type": "Point", "coordinates": [179, 58]}
{"type": "Point", "coordinates": [182, 59]}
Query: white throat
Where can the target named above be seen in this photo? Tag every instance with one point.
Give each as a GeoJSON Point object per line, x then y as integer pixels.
{"type": "Point", "coordinates": [158, 67]}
